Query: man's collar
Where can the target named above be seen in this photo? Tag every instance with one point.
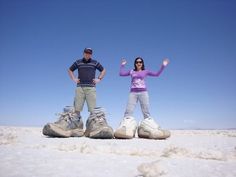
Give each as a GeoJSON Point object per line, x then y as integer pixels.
{"type": "Point", "coordinates": [87, 61]}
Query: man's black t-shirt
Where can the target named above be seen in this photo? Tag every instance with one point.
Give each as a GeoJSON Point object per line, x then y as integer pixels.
{"type": "Point", "coordinates": [86, 71]}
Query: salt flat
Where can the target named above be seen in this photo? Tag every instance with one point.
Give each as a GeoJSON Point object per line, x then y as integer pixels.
{"type": "Point", "coordinates": [25, 152]}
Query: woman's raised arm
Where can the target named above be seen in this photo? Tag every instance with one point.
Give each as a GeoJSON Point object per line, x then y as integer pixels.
{"type": "Point", "coordinates": [123, 72]}
{"type": "Point", "coordinates": [165, 62]}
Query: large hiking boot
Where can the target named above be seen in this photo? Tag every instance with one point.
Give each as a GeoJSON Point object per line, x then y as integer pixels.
{"type": "Point", "coordinates": [149, 129]}
{"type": "Point", "coordinates": [127, 128]}
{"type": "Point", "coordinates": [96, 125]}
{"type": "Point", "coordinates": [69, 124]}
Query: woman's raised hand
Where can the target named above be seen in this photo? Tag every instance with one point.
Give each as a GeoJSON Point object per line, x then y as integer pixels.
{"type": "Point", "coordinates": [123, 61]}
{"type": "Point", "coordinates": [166, 61]}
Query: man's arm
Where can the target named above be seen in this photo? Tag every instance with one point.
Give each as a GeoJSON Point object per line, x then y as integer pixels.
{"type": "Point", "coordinates": [100, 77]}
{"type": "Point", "coordinates": [102, 74]}
{"type": "Point", "coordinates": [72, 76]}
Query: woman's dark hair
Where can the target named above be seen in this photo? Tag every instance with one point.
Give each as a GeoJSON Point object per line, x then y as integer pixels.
{"type": "Point", "coordinates": [135, 67]}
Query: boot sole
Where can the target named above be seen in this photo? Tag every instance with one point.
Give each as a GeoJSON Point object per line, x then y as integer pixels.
{"type": "Point", "coordinates": [122, 135]}
{"type": "Point", "coordinates": [104, 133]}
{"type": "Point", "coordinates": [54, 131]}
{"type": "Point", "coordinates": [144, 134]}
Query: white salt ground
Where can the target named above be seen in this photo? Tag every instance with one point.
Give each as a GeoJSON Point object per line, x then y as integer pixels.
{"type": "Point", "coordinates": [25, 152]}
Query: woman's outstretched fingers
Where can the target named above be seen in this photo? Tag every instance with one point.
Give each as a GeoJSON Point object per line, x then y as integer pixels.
{"type": "Point", "coordinates": [166, 61]}
{"type": "Point", "coordinates": [123, 61]}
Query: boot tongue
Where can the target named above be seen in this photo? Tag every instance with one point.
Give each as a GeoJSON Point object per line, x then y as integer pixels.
{"type": "Point", "coordinates": [99, 110]}
{"type": "Point", "coordinates": [98, 115]}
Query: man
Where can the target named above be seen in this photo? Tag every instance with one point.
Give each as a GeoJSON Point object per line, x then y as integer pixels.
{"type": "Point", "coordinates": [70, 122]}
{"type": "Point", "coordinates": [86, 81]}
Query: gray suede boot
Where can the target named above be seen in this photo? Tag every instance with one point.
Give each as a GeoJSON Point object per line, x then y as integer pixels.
{"type": "Point", "coordinates": [96, 125]}
{"type": "Point", "coordinates": [69, 124]}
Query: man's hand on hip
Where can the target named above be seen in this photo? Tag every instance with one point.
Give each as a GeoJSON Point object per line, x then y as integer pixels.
{"type": "Point", "coordinates": [76, 80]}
{"type": "Point", "coordinates": [95, 81]}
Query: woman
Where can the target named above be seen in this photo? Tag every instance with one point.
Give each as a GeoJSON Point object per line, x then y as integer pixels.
{"type": "Point", "coordinates": [148, 128]}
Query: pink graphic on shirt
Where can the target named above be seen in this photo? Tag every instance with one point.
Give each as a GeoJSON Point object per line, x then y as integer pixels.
{"type": "Point", "coordinates": [138, 83]}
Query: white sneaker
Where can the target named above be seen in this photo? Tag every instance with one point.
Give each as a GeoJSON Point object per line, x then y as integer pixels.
{"type": "Point", "coordinates": [148, 128]}
{"type": "Point", "coordinates": [127, 128]}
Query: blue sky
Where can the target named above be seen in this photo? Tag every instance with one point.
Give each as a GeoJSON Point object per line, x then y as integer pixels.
{"type": "Point", "coordinates": [40, 39]}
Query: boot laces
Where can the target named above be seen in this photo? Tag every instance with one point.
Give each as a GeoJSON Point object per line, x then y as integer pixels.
{"type": "Point", "coordinates": [66, 116]}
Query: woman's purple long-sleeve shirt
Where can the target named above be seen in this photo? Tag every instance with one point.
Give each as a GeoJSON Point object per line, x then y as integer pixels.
{"type": "Point", "coordinates": [138, 77]}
